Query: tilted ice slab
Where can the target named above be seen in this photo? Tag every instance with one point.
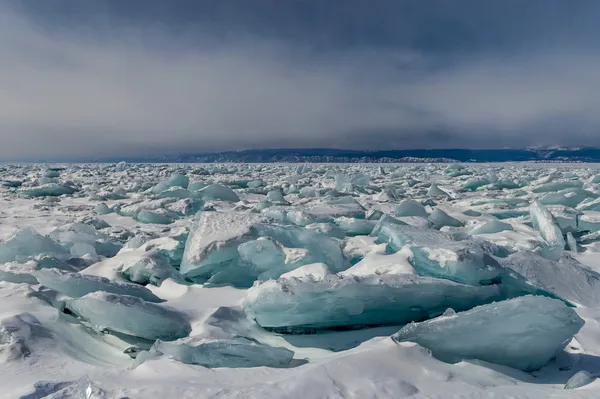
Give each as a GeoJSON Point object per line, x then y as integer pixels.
{"type": "Point", "coordinates": [544, 222]}
{"type": "Point", "coordinates": [523, 333]}
{"type": "Point", "coordinates": [213, 353]}
{"type": "Point", "coordinates": [462, 261]}
{"type": "Point", "coordinates": [321, 247]}
{"type": "Point", "coordinates": [385, 221]}
{"type": "Point", "coordinates": [397, 236]}
{"type": "Point", "coordinates": [185, 207]}
{"type": "Point", "coordinates": [152, 268]}
{"type": "Point", "coordinates": [270, 259]}
{"type": "Point", "coordinates": [156, 217]}
{"type": "Point", "coordinates": [176, 192]}
{"type": "Point", "coordinates": [439, 219]}
{"type": "Point", "coordinates": [73, 233]}
{"type": "Point", "coordinates": [77, 285]}
{"type": "Point", "coordinates": [491, 227]}
{"type": "Point", "coordinates": [557, 186]}
{"type": "Point", "coordinates": [171, 247]}
{"type": "Point", "coordinates": [214, 238]}
{"type": "Point", "coordinates": [130, 315]}
{"type": "Point", "coordinates": [435, 191]}
{"type": "Point", "coordinates": [474, 184]}
{"type": "Point", "coordinates": [377, 262]}
{"type": "Point", "coordinates": [334, 208]}
{"type": "Point", "coordinates": [567, 219]}
{"type": "Point", "coordinates": [590, 221]}
{"type": "Point", "coordinates": [47, 190]}
{"type": "Point", "coordinates": [218, 192]}
{"type": "Point", "coordinates": [303, 304]}
{"type": "Point", "coordinates": [133, 209]}
{"type": "Point", "coordinates": [409, 207]}
{"type": "Point", "coordinates": [566, 278]}
{"type": "Point", "coordinates": [356, 248]}
{"type": "Point", "coordinates": [354, 227]}
{"type": "Point", "coordinates": [173, 181]}
{"type": "Point", "coordinates": [321, 211]}
{"type": "Point", "coordinates": [18, 273]}
{"type": "Point", "coordinates": [28, 243]}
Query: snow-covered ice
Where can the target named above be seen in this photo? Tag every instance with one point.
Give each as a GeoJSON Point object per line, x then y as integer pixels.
{"type": "Point", "coordinates": [285, 281]}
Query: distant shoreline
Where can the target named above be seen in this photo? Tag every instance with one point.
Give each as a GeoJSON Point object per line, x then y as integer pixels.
{"type": "Point", "coordinates": [327, 155]}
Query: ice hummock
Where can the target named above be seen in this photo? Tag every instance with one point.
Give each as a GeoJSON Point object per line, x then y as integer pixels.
{"type": "Point", "coordinates": [130, 315]}
{"type": "Point", "coordinates": [524, 333]}
{"type": "Point", "coordinates": [301, 304]}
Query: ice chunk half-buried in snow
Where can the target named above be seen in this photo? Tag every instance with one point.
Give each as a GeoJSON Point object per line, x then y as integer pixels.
{"type": "Point", "coordinates": [214, 238]}
{"type": "Point", "coordinates": [130, 315]}
{"type": "Point", "coordinates": [524, 333]}
{"type": "Point", "coordinates": [231, 352]}
{"type": "Point", "coordinates": [304, 304]}
{"type": "Point", "coordinates": [77, 285]}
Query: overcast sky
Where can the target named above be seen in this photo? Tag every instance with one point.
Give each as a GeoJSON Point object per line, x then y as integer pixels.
{"type": "Point", "coordinates": [137, 77]}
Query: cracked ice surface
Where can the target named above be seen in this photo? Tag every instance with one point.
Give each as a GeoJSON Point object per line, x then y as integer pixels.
{"type": "Point", "coordinates": [287, 281]}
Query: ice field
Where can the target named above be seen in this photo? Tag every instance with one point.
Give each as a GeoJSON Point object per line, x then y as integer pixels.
{"type": "Point", "coordinates": [299, 281]}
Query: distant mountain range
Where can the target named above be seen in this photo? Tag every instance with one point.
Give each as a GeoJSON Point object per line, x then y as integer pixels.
{"type": "Point", "coordinates": [328, 155]}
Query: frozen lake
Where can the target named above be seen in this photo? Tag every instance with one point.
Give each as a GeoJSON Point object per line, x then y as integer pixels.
{"type": "Point", "coordinates": [299, 280]}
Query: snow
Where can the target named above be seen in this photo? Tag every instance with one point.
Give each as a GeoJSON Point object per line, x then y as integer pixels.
{"type": "Point", "coordinates": [291, 280]}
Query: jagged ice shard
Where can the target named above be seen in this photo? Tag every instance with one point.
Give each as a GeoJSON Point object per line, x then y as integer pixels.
{"type": "Point", "coordinates": [544, 222]}
{"type": "Point", "coordinates": [524, 333]}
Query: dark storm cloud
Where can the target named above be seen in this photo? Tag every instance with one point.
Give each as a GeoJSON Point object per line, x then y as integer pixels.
{"type": "Point", "coordinates": [139, 77]}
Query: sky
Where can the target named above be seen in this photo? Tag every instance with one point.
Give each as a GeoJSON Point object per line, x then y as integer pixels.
{"type": "Point", "coordinates": [148, 77]}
